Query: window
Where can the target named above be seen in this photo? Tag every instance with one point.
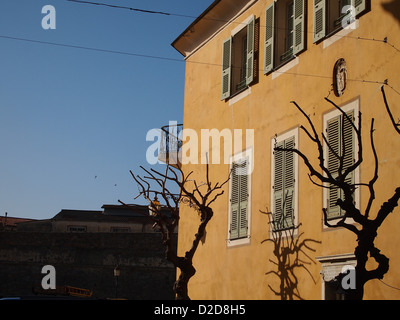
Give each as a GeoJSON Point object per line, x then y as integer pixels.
{"type": "Point", "coordinates": [332, 266]}
{"type": "Point", "coordinates": [341, 138]}
{"type": "Point", "coordinates": [238, 60]}
{"type": "Point", "coordinates": [330, 16]}
{"type": "Point", "coordinates": [239, 199]}
{"type": "Point", "coordinates": [284, 32]}
{"type": "Point", "coordinates": [76, 228]}
{"type": "Point", "coordinates": [284, 182]}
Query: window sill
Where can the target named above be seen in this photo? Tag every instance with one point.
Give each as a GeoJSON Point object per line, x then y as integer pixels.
{"type": "Point", "coordinates": [238, 242]}
{"type": "Point", "coordinates": [284, 68]}
{"type": "Point", "coordinates": [337, 35]}
{"type": "Point", "coordinates": [239, 95]}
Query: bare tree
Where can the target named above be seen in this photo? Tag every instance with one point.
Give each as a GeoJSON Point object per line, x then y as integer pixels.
{"type": "Point", "coordinates": [366, 228]}
{"type": "Point", "coordinates": [290, 253]}
{"type": "Point", "coordinates": [396, 125]}
{"type": "Point", "coordinates": [199, 196]}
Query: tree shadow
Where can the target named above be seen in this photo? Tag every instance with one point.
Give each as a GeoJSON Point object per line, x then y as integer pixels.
{"type": "Point", "coordinates": [291, 254]}
{"type": "Point", "coordinates": [393, 8]}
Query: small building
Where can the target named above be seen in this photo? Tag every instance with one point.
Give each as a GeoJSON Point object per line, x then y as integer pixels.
{"type": "Point", "coordinates": [85, 247]}
{"type": "Point", "coordinates": [113, 219]}
{"type": "Point", "coordinates": [11, 223]}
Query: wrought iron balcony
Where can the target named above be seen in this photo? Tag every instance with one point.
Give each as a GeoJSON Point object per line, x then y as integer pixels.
{"type": "Point", "coordinates": [171, 144]}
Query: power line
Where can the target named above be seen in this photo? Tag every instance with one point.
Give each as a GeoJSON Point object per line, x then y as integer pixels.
{"type": "Point", "coordinates": [221, 20]}
{"type": "Point", "coordinates": [173, 59]}
{"type": "Point", "coordinates": [132, 9]}
{"type": "Point", "coordinates": [91, 49]}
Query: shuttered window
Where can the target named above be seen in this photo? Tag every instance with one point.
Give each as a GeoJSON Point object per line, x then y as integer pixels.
{"type": "Point", "coordinates": [284, 185]}
{"type": "Point", "coordinates": [285, 28]}
{"type": "Point", "coordinates": [340, 136]}
{"type": "Point", "coordinates": [238, 61]}
{"type": "Point", "coordinates": [328, 15]}
{"type": "Point", "coordinates": [239, 206]}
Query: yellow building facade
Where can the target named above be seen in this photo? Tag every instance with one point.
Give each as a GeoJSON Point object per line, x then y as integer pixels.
{"type": "Point", "coordinates": [246, 60]}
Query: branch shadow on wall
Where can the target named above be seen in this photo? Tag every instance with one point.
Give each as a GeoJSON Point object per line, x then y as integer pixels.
{"type": "Point", "coordinates": [290, 253]}
{"type": "Point", "coordinates": [393, 8]}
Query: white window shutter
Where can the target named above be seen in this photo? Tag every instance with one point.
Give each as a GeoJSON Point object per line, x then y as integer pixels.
{"type": "Point", "coordinates": [244, 199]}
{"type": "Point", "coordinates": [289, 183]}
{"type": "Point", "coordinates": [333, 137]}
{"type": "Point", "coordinates": [250, 52]}
{"type": "Point", "coordinates": [348, 148]}
{"type": "Point", "coordinates": [277, 213]}
{"type": "Point", "coordinates": [269, 38]}
{"type": "Point", "coordinates": [234, 230]}
{"type": "Point", "coordinates": [299, 26]}
{"type": "Point", "coordinates": [226, 69]}
{"type": "Point", "coordinates": [319, 18]}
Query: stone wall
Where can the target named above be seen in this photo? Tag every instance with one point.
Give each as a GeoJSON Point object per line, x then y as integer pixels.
{"type": "Point", "coordinates": [87, 260]}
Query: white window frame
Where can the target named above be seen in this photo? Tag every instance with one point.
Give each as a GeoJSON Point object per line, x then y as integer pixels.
{"type": "Point", "coordinates": [355, 106]}
{"type": "Point", "coordinates": [248, 153]}
{"type": "Point", "coordinates": [246, 91]}
{"type": "Point", "coordinates": [331, 266]}
{"type": "Point", "coordinates": [290, 133]}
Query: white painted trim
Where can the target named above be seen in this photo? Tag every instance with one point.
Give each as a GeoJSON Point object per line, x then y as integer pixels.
{"type": "Point", "coordinates": [353, 105]}
{"type": "Point", "coordinates": [340, 34]}
{"type": "Point", "coordinates": [239, 96]}
{"type": "Point", "coordinates": [290, 133]}
{"type": "Point", "coordinates": [189, 54]}
{"type": "Point", "coordinates": [242, 25]}
{"type": "Point", "coordinates": [248, 153]}
{"type": "Point", "coordinates": [285, 68]}
{"type": "Point", "coordinates": [330, 264]}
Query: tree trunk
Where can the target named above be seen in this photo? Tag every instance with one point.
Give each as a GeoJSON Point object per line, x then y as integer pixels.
{"type": "Point", "coordinates": [181, 284]}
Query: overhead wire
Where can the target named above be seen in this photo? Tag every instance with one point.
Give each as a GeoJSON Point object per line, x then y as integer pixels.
{"type": "Point", "coordinates": [385, 40]}
{"type": "Point", "coordinates": [176, 59]}
{"type": "Point", "coordinates": [180, 60]}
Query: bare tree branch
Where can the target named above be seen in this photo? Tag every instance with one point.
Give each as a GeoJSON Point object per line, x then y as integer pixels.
{"type": "Point", "coordinates": [166, 216]}
{"type": "Point", "coordinates": [396, 126]}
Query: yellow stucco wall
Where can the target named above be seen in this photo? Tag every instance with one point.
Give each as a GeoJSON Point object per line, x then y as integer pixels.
{"type": "Point", "coordinates": [239, 272]}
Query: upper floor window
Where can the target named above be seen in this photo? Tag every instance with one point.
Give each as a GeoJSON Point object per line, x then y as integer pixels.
{"type": "Point", "coordinates": [284, 32]}
{"type": "Point", "coordinates": [238, 60]}
{"type": "Point", "coordinates": [333, 15]}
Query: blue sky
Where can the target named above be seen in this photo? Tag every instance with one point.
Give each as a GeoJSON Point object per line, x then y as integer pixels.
{"type": "Point", "coordinates": [73, 122]}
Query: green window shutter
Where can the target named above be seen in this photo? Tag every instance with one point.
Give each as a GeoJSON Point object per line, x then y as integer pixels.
{"type": "Point", "coordinates": [239, 200]}
{"type": "Point", "coordinates": [269, 38]}
{"type": "Point", "coordinates": [348, 148]}
{"type": "Point", "coordinates": [243, 198]}
{"type": "Point", "coordinates": [319, 14]}
{"type": "Point", "coordinates": [333, 136]}
{"type": "Point", "coordinates": [250, 52]}
{"type": "Point", "coordinates": [299, 26]}
{"type": "Point", "coordinates": [226, 68]}
{"type": "Point", "coordinates": [343, 147]}
{"type": "Point", "coordinates": [360, 6]}
{"type": "Point", "coordinates": [289, 183]}
{"type": "Point", "coordinates": [277, 213]}
{"type": "Point", "coordinates": [234, 228]}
